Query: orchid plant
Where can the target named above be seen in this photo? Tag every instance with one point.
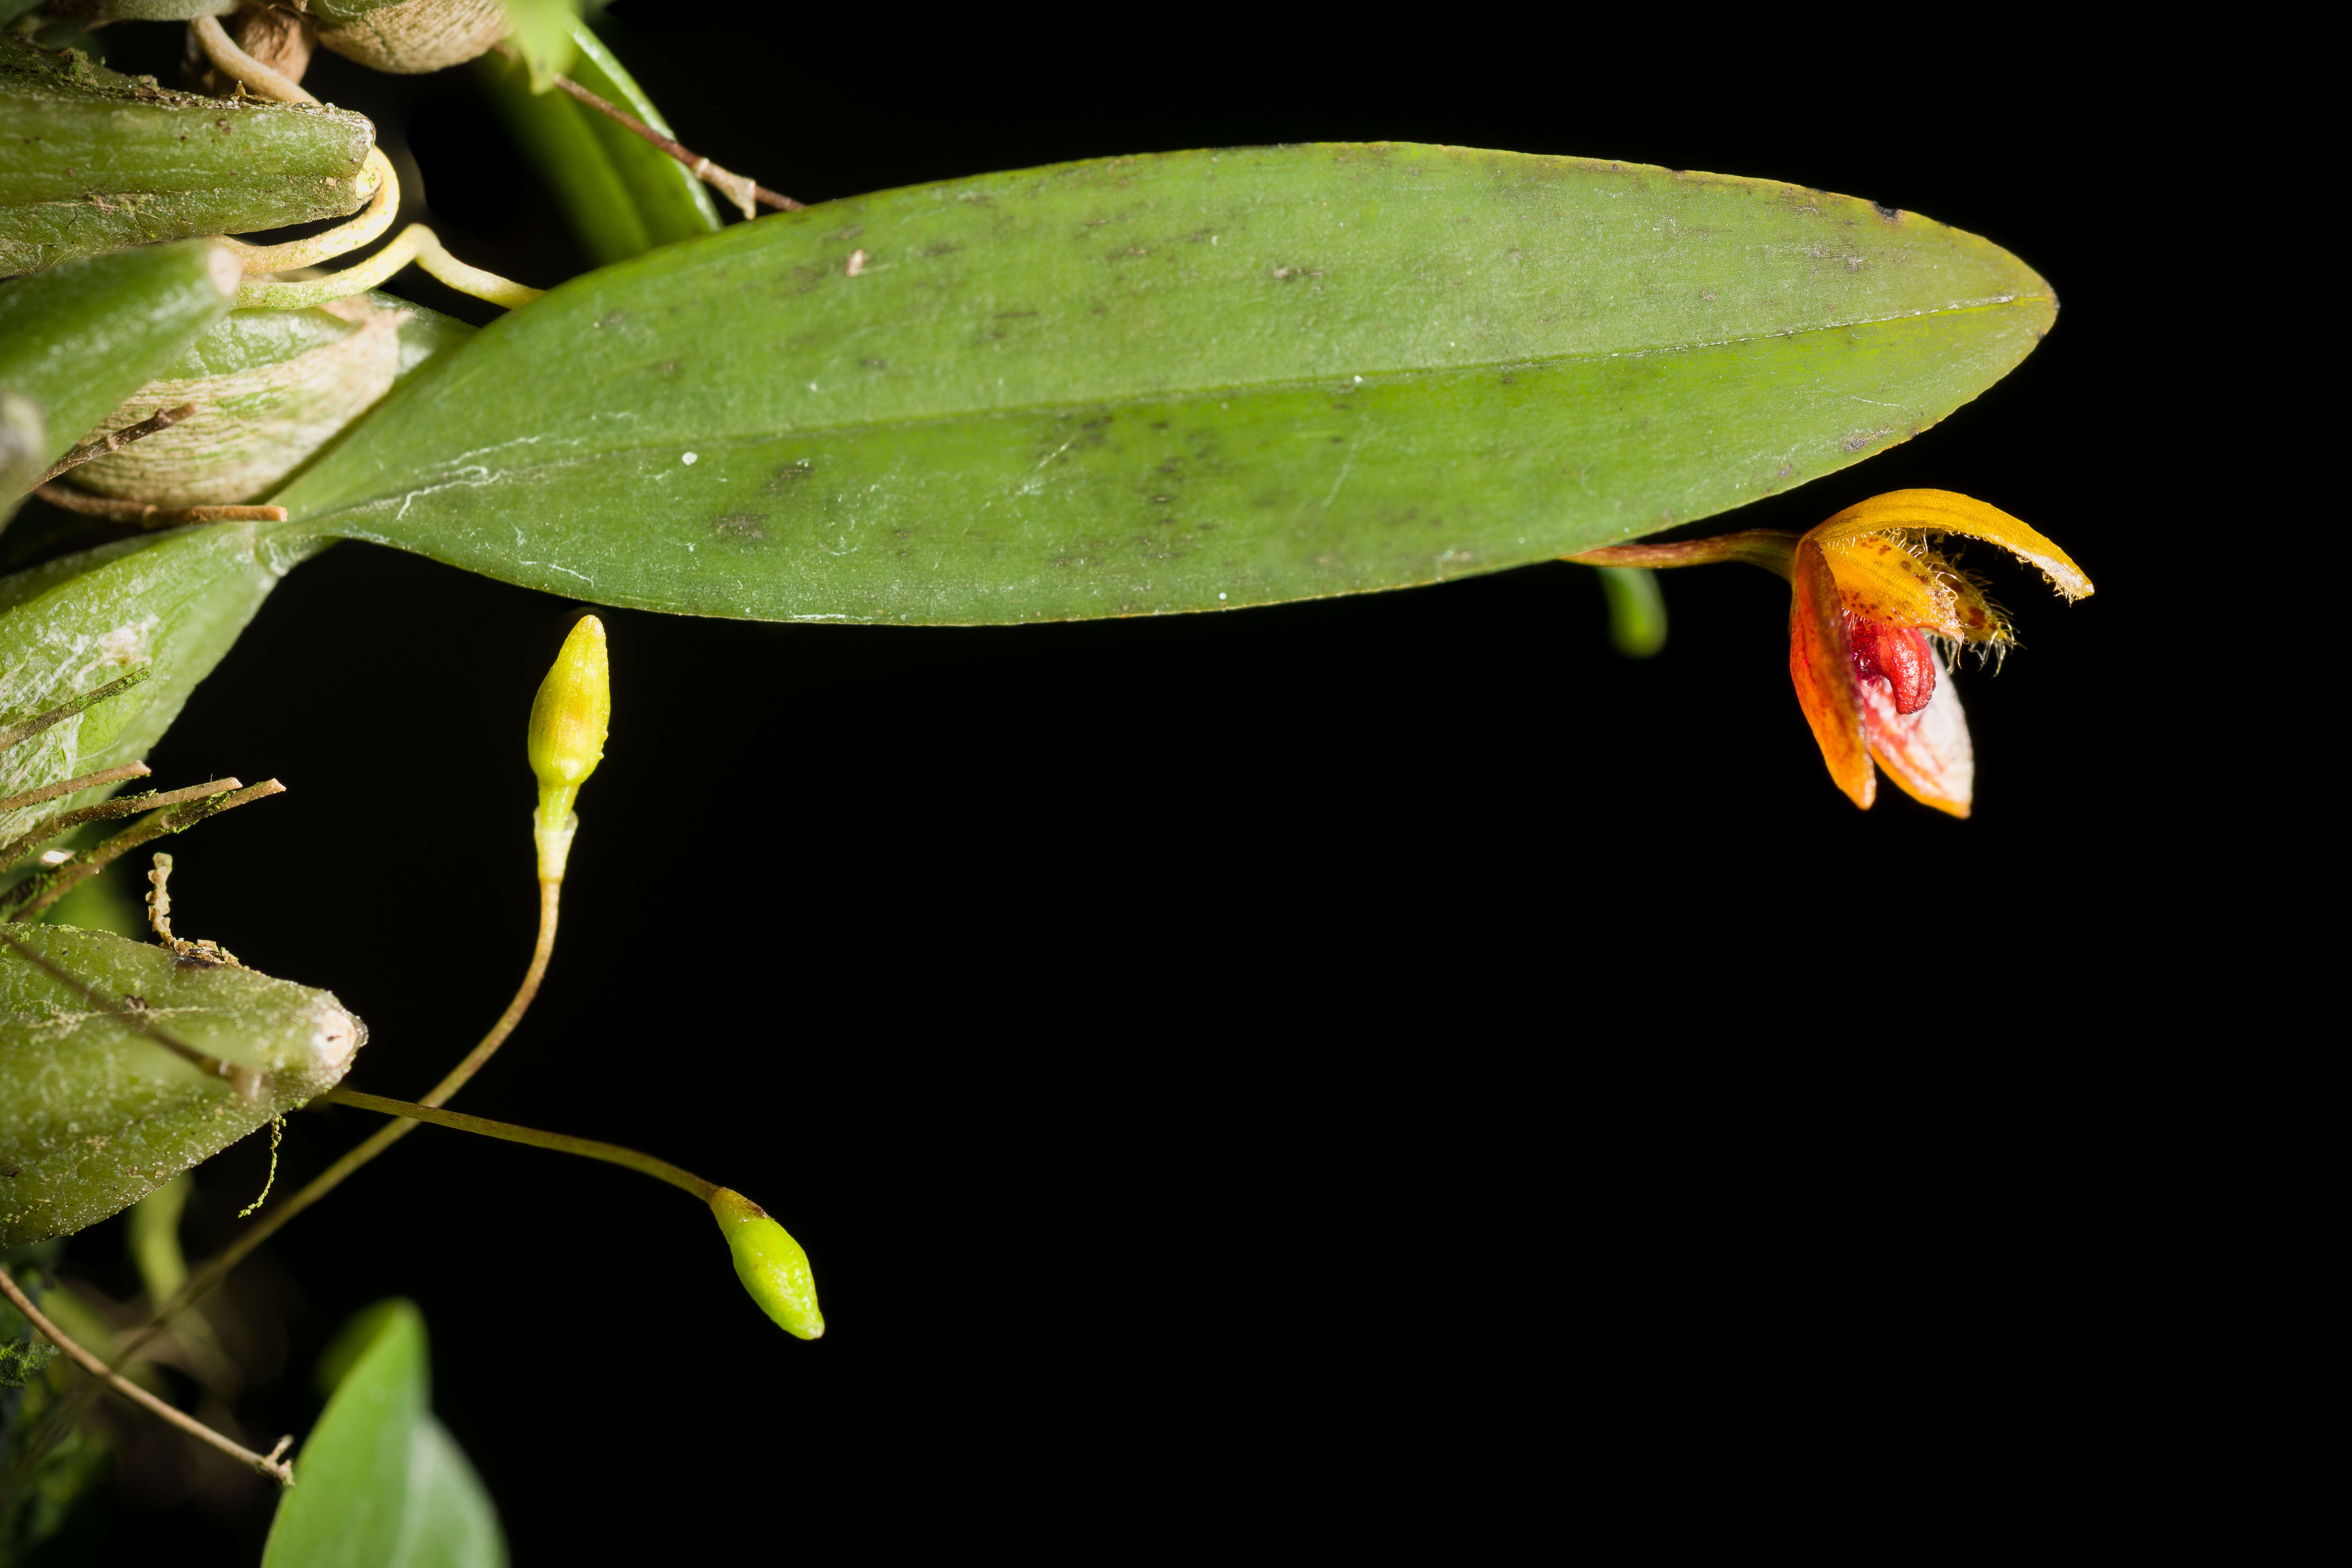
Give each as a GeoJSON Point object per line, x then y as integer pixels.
{"type": "Point", "coordinates": [1190, 382]}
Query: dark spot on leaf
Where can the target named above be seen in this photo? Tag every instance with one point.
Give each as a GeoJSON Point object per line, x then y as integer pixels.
{"type": "Point", "coordinates": [741, 524]}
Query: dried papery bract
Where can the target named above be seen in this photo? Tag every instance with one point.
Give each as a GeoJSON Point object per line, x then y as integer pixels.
{"type": "Point", "coordinates": [409, 37]}
{"type": "Point", "coordinates": [279, 37]}
{"type": "Point", "coordinates": [300, 379]}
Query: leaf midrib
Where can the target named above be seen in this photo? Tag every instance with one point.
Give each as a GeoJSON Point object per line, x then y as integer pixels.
{"type": "Point", "coordinates": [457, 462]}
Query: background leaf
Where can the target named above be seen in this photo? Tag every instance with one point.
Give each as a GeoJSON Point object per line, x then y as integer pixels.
{"type": "Point", "coordinates": [1637, 610]}
{"type": "Point", "coordinates": [381, 1483]}
{"type": "Point", "coordinates": [1187, 381]}
{"type": "Point", "coordinates": [542, 35]}
{"type": "Point", "coordinates": [95, 1114]}
{"type": "Point", "coordinates": [32, 1383]}
{"type": "Point", "coordinates": [620, 195]}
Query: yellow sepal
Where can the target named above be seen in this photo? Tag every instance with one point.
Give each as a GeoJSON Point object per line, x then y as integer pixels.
{"type": "Point", "coordinates": [1947, 511]}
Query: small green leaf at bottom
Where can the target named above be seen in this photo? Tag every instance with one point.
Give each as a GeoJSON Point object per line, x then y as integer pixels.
{"type": "Point", "coordinates": [380, 1483]}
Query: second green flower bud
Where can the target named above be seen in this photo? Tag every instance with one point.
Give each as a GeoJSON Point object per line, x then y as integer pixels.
{"type": "Point", "coordinates": [771, 1264]}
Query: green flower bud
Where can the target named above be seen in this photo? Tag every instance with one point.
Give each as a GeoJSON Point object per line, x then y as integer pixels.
{"type": "Point", "coordinates": [769, 1263]}
{"type": "Point", "coordinates": [568, 720]}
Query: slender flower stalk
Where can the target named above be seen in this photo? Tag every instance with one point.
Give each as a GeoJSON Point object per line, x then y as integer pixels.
{"type": "Point", "coordinates": [565, 741]}
{"type": "Point", "coordinates": [772, 1266]}
{"type": "Point", "coordinates": [415, 1113]}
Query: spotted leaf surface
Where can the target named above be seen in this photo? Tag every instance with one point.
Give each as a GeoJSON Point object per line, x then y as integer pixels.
{"type": "Point", "coordinates": [1185, 382]}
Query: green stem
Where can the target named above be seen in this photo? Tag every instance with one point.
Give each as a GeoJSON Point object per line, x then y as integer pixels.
{"type": "Point", "coordinates": [104, 1376]}
{"type": "Point", "coordinates": [550, 896]}
{"type": "Point", "coordinates": [586, 1148]}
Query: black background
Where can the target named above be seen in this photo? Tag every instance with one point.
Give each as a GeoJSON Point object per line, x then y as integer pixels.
{"type": "Point", "coordinates": [1388, 1061]}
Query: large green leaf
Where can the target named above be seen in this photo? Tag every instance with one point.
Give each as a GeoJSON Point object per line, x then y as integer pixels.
{"type": "Point", "coordinates": [95, 1114]}
{"type": "Point", "coordinates": [1187, 381]}
{"type": "Point", "coordinates": [380, 1483]}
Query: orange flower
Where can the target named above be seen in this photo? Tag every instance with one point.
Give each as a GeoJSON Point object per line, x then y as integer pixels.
{"type": "Point", "coordinates": [1878, 612]}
